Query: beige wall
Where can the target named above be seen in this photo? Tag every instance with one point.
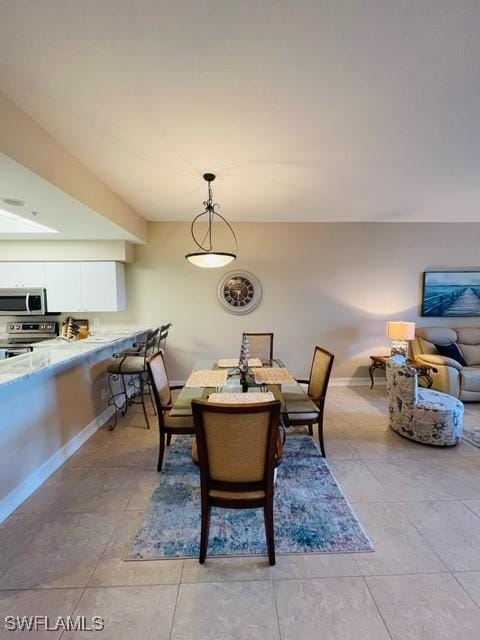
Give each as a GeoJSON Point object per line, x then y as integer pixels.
{"type": "Point", "coordinates": [22, 139]}
{"type": "Point", "coordinates": [333, 284]}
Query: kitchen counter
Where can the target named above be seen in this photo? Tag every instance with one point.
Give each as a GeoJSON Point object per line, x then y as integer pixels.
{"type": "Point", "coordinates": [51, 402]}
{"type": "Point", "coordinates": [55, 353]}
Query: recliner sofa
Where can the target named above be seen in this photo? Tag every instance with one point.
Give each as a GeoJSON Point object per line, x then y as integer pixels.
{"type": "Point", "coordinates": [450, 376]}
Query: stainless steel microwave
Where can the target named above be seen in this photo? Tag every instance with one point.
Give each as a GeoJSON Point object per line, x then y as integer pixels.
{"type": "Point", "coordinates": [23, 302]}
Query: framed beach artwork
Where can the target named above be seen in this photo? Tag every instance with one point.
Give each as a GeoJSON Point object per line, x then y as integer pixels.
{"type": "Point", "coordinates": [451, 294]}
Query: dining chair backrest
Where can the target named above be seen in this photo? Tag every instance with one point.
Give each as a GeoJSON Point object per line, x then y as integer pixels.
{"type": "Point", "coordinates": [236, 444]}
{"type": "Point", "coordinates": [160, 384]}
{"type": "Point", "coordinates": [260, 345]}
{"type": "Point", "coordinates": [320, 373]}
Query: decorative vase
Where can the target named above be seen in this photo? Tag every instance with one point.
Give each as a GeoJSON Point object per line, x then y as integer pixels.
{"type": "Point", "coordinates": [243, 363]}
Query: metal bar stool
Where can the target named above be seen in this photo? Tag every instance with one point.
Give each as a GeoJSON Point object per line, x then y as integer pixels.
{"type": "Point", "coordinates": [162, 336]}
{"type": "Point", "coordinates": [130, 370]}
{"type": "Point", "coordinates": [161, 346]}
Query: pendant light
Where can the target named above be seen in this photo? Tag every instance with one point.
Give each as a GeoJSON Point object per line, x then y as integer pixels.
{"type": "Point", "coordinates": [208, 257]}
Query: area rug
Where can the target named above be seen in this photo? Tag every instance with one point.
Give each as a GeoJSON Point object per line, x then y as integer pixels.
{"type": "Point", "coordinates": [311, 512]}
{"type": "Point", "coordinates": [472, 435]}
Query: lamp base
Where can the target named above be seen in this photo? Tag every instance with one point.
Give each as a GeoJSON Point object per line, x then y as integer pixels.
{"type": "Point", "coordinates": [399, 348]}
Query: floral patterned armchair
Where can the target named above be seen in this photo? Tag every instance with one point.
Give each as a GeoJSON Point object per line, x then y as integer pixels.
{"type": "Point", "coordinates": [422, 415]}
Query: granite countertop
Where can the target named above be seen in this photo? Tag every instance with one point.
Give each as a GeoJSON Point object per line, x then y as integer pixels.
{"type": "Point", "coordinates": [51, 354]}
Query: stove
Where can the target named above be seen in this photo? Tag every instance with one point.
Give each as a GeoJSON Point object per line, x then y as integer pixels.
{"type": "Point", "coordinates": [22, 336]}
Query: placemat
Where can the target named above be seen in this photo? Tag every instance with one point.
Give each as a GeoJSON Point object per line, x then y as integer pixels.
{"type": "Point", "coordinates": [230, 363]}
{"type": "Point", "coordinates": [206, 378]}
{"type": "Point", "coordinates": [241, 398]}
{"type": "Point", "coordinates": [273, 375]}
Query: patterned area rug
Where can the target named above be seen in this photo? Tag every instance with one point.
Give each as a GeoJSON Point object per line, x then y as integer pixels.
{"type": "Point", "coordinates": [472, 435]}
{"type": "Point", "coordinates": [311, 512]}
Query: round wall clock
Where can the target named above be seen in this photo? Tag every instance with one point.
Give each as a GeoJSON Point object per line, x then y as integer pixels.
{"type": "Point", "coordinates": [239, 292]}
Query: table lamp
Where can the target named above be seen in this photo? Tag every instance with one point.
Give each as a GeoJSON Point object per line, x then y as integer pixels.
{"type": "Point", "coordinates": [400, 333]}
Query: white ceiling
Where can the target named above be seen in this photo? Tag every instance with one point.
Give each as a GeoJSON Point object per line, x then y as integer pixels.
{"type": "Point", "coordinates": [306, 109]}
{"type": "Point", "coordinates": [53, 208]}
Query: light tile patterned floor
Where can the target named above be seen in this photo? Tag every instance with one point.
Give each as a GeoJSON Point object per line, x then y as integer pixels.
{"type": "Point", "coordinates": [62, 551]}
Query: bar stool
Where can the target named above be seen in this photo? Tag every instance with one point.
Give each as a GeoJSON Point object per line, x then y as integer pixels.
{"type": "Point", "coordinates": [161, 343]}
{"type": "Point", "coordinates": [161, 346]}
{"type": "Point", "coordinates": [162, 337]}
{"type": "Point", "coordinates": [130, 370]}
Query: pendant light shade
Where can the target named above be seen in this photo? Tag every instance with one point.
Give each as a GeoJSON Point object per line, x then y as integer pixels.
{"type": "Point", "coordinates": [208, 257]}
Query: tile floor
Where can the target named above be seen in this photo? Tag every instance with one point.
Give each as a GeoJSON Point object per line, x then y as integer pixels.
{"type": "Point", "coordinates": [62, 551]}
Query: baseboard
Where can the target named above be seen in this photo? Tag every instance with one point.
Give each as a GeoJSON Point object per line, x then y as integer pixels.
{"type": "Point", "coordinates": [25, 489]}
{"type": "Point", "coordinates": [334, 382]}
{"type": "Point", "coordinates": [356, 382]}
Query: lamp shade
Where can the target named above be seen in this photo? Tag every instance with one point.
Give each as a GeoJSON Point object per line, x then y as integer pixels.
{"type": "Point", "coordinates": [210, 259]}
{"type": "Point", "coordinates": [401, 330]}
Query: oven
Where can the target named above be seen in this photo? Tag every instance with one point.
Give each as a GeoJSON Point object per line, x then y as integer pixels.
{"type": "Point", "coordinates": [23, 302]}
{"type": "Point", "coordinates": [11, 352]}
{"type": "Point", "coordinates": [22, 337]}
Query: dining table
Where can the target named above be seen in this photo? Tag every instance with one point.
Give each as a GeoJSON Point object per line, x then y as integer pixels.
{"type": "Point", "coordinates": [291, 394]}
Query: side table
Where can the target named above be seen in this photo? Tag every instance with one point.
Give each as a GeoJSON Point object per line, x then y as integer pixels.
{"type": "Point", "coordinates": [380, 362]}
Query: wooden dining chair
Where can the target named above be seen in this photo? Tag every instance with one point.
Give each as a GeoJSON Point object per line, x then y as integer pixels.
{"type": "Point", "coordinates": [236, 450]}
{"type": "Point", "coordinates": [317, 390]}
{"type": "Point", "coordinates": [168, 425]}
{"type": "Point", "coordinates": [260, 346]}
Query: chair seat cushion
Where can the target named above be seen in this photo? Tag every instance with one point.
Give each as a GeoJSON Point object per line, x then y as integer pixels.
{"type": "Point", "coordinates": [431, 400]}
{"type": "Point", "coordinates": [471, 379]}
{"type": "Point", "coordinates": [180, 422]}
{"type": "Point", "coordinates": [302, 418]}
{"type": "Point", "coordinates": [131, 364]}
{"type": "Point", "coordinates": [233, 495]}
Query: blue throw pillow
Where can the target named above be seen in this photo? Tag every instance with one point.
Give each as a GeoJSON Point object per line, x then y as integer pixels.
{"type": "Point", "coordinates": [451, 351]}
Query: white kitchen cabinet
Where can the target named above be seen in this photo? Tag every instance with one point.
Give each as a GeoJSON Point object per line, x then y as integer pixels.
{"type": "Point", "coordinates": [9, 275]}
{"type": "Point", "coordinates": [74, 287]}
{"type": "Point", "coordinates": [22, 274]}
{"type": "Point", "coordinates": [103, 286]}
{"type": "Point", "coordinates": [64, 286]}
